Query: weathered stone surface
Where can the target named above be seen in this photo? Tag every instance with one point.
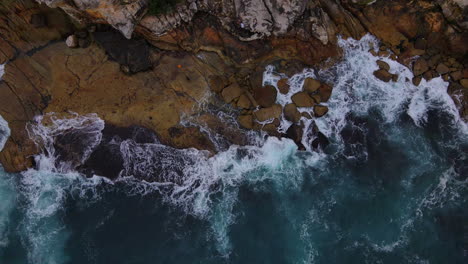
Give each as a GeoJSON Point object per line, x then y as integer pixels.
{"type": "Point", "coordinates": [457, 75]}
{"type": "Point", "coordinates": [442, 68]}
{"type": "Point", "coordinates": [264, 114]}
{"type": "Point", "coordinates": [244, 102]}
{"type": "Point", "coordinates": [302, 99]}
{"type": "Point", "coordinates": [291, 113]}
{"type": "Point", "coordinates": [325, 92]}
{"type": "Point", "coordinates": [265, 96]}
{"type": "Point", "coordinates": [420, 66]}
{"type": "Point", "coordinates": [58, 79]}
{"type": "Point", "coordinates": [295, 132]}
{"type": "Point", "coordinates": [320, 110]}
{"type": "Point", "coordinates": [417, 80]}
{"type": "Point", "coordinates": [464, 83]}
{"type": "Point", "coordinates": [311, 85]}
{"type": "Point", "coordinates": [231, 92]}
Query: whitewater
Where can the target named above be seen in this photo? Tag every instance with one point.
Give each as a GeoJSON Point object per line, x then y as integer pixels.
{"type": "Point", "coordinates": [391, 187]}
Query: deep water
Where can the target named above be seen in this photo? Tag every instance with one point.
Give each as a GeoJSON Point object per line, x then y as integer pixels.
{"type": "Point", "coordinates": [390, 188]}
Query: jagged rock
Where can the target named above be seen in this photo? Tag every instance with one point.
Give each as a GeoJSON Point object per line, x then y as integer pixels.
{"type": "Point", "coordinates": [383, 65]}
{"type": "Point", "coordinates": [122, 16]}
{"type": "Point", "coordinates": [295, 132]}
{"type": "Point", "coordinates": [246, 121]}
{"type": "Point", "coordinates": [265, 96]}
{"type": "Point", "coordinates": [217, 83]}
{"type": "Point", "coordinates": [442, 68]}
{"type": "Point", "coordinates": [420, 43]}
{"type": "Point", "coordinates": [320, 110]}
{"type": "Point", "coordinates": [291, 113]}
{"type": "Point", "coordinates": [264, 114]}
{"type": "Point", "coordinates": [283, 86]}
{"type": "Point", "coordinates": [130, 52]}
{"type": "Point", "coordinates": [72, 41]}
{"type": "Point", "coordinates": [311, 85]}
{"type": "Point", "coordinates": [420, 66]}
{"type": "Point", "coordinates": [231, 92]}
{"type": "Point", "coordinates": [302, 99]}
{"type": "Point", "coordinates": [383, 75]}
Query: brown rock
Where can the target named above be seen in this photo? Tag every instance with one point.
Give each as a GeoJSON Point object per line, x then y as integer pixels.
{"type": "Point", "coordinates": [429, 75]}
{"type": "Point", "coordinates": [320, 110]}
{"type": "Point", "coordinates": [383, 75]}
{"type": "Point", "coordinates": [442, 68]}
{"type": "Point", "coordinates": [325, 92]}
{"type": "Point", "coordinates": [264, 114]}
{"type": "Point", "coordinates": [283, 86]}
{"type": "Point", "coordinates": [457, 75]}
{"type": "Point", "coordinates": [311, 85]}
{"type": "Point", "coordinates": [231, 92]}
{"type": "Point", "coordinates": [244, 102]}
{"type": "Point", "coordinates": [383, 65]}
{"type": "Point", "coordinates": [464, 83]}
{"type": "Point", "coordinates": [316, 98]}
{"type": "Point", "coordinates": [302, 99]}
{"type": "Point", "coordinates": [38, 20]}
{"type": "Point", "coordinates": [420, 66]}
{"type": "Point", "coordinates": [246, 121]}
{"type": "Point", "coordinates": [291, 113]}
{"type": "Point", "coordinates": [417, 80]}
{"type": "Point", "coordinates": [216, 83]}
{"type": "Point", "coordinates": [265, 96]}
{"type": "Point", "coordinates": [306, 115]}
{"type": "Point", "coordinates": [420, 43]}
{"type": "Point", "coordinates": [295, 132]}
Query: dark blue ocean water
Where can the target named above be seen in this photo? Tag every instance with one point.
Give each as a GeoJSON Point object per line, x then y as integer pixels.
{"type": "Point", "coordinates": [390, 188]}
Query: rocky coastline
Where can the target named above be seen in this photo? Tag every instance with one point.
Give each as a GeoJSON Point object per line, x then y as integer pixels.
{"type": "Point", "coordinates": [172, 73]}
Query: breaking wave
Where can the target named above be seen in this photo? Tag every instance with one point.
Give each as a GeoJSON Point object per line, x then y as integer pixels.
{"type": "Point", "coordinates": [368, 195]}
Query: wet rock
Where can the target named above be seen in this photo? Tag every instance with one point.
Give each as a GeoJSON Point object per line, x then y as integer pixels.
{"type": "Point", "coordinates": [320, 110]}
{"type": "Point", "coordinates": [131, 52]}
{"type": "Point", "coordinates": [84, 42]}
{"type": "Point", "coordinates": [302, 99]}
{"type": "Point", "coordinates": [231, 92]}
{"type": "Point", "coordinates": [295, 132]}
{"type": "Point", "coordinates": [244, 102]}
{"type": "Point", "coordinates": [325, 92]}
{"type": "Point", "coordinates": [420, 66]}
{"type": "Point", "coordinates": [291, 113]}
{"type": "Point", "coordinates": [383, 75]}
{"type": "Point", "coordinates": [72, 41]}
{"type": "Point", "coordinates": [246, 121]}
{"type": "Point", "coordinates": [383, 65]}
{"type": "Point", "coordinates": [268, 113]}
{"type": "Point", "coordinates": [429, 75]}
{"type": "Point", "coordinates": [442, 68]}
{"type": "Point", "coordinates": [417, 80]}
{"type": "Point", "coordinates": [317, 98]}
{"type": "Point", "coordinates": [283, 86]}
{"type": "Point", "coordinates": [265, 96]}
{"type": "Point", "coordinates": [320, 142]}
{"type": "Point", "coordinates": [464, 83]}
{"type": "Point", "coordinates": [306, 115]}
{"type": "Point", "coordinates": [311, 85]}
{"type": "Point", "coordinates": [420, 43]}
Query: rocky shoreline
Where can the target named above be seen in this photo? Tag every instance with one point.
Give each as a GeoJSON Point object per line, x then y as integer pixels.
{"type": "Point", "coordinates": [135, 69]}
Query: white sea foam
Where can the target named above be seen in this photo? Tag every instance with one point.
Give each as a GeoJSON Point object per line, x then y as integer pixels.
{"type": "Point", "coordinates": [4, 132]}
{"type": "Point", "coordinates": [2, 70]}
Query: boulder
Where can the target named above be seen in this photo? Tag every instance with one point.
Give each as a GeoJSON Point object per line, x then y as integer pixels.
{"type": "Point", "coordinates": [72, 41]}
{"type": "Point", "coordinates": [420, 66]}
{"type": "Point", "coordinates": [302, 99]}
{"type": "Point", "coordinates": [311, 85]}
{"type": "Point", "coordinates": [456, 75]}
{"type": "Point", "coordinates": [442, 68]}
{"type": "Point", "coordinates": [295, 132]}
{"type": "Point", "coordinates": [216, 83]}
{"type": "Point", "coordinates": [320, 110]}
{"type": "Point", "coordinates": [272, 112]}
{"type": "Point", "coordinates": [417, 80]}
{"type": "Point", "coordinates": [383, 75]}
{"type": "Point", "coordinates": [291, 113]}
{"type": "Point", "coordinates": [265, 96]}
{"type": "Point", "coordinates": [283, 86]}
{"type": "Point", "coordinates": [231, 92]}
{"type": "Point", "coordinates": [325, 92]}
{"type": "Point", "coordinates": [383, 65]}
{"type": "Point", "coordinates": [246, 121]}
{"type": "Point", "coordinates": [244, 102]}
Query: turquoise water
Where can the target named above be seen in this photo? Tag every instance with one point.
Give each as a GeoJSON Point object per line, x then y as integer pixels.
{"type": "Point", "coordinates": [390, 188]}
